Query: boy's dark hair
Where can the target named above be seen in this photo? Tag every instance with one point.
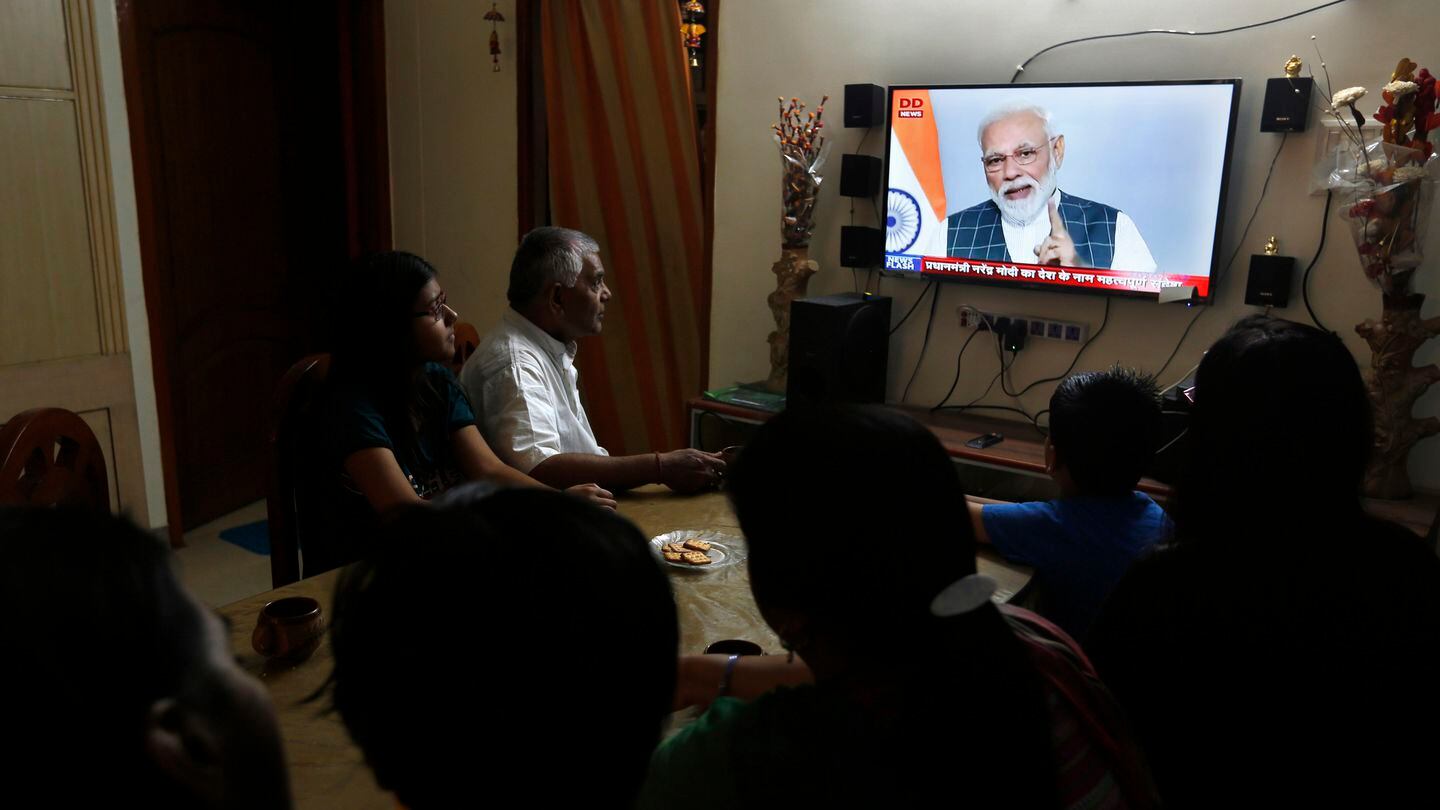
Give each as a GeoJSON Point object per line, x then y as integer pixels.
{"type": "Point", "coordinates": [485, 629]}
{"type": "Point", "coordinates": [1105, 426]}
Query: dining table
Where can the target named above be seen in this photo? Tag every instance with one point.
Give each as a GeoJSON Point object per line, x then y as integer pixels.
{"type": "Point", "coordinates": [327, 770]}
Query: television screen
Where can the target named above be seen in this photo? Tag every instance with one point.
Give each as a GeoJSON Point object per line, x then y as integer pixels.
{"type": "Point", "coordinates": [1113, 188]}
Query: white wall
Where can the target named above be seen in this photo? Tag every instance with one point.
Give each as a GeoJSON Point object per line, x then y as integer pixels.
{"type": "Point", "coordinates": [127, 236]}
{"type": "Point", "coordinates": [453, 138]}
{"type": "Point", "coordinates": [808, 48]}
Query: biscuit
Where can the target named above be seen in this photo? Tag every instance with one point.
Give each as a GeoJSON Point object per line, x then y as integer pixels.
{"type": "Point", "coordinates": [697, 545]}
{"type": "Point", "coordinates": [673, 556]}
{"type": "Point", "coordinates": [673, 548]}
{"type": "Point", "coordinates": [696, 558]}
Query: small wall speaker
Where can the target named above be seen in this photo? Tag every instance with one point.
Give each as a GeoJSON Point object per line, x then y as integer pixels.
{"type": "Point", "coordinates": [861, 246]}
{"type": "Point", "coordinates": [1269, 282]}
{"type": "Point", "coordinates": [1287, 104]}
{"type": "Point", "coordinates": [864, 105]}
{"type": "Point", "coordinates": [859, 175]}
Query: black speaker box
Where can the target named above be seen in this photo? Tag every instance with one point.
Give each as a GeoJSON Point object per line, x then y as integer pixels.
{"type": "Point", "coordinates": [1269, 282]}
{"type": "Point", "coordinates": [861, 246]}
{"type": "Point", "coordinates": [859, 175]}
{"type": "Point", "coordinates": [864, 105]}
{"type": "Point", "coordinates": [839, 347]}
{"type": "Point", "coordinates": [1287, 104]}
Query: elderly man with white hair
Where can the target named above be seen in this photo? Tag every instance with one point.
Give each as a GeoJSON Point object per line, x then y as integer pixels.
{"type": "Point", "coordinates": [524, 386]}
{"type": "Point", "coordinates": [1028, 218]}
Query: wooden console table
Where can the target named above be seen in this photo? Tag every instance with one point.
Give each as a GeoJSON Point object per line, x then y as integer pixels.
{"type": "Point", "coordinates": [1022, 451]}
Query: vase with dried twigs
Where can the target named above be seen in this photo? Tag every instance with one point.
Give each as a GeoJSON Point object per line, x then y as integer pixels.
{"type": "Point", "coordinates": [800, 136]}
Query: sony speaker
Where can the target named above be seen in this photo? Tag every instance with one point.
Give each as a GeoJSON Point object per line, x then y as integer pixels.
{"type": "Point", "coordinates": [864, 105]}
{"type": "Point", "coordinates": [1287, 104]}
{"type": "Point", "coordinates": [861, 246]}
{"type": "Point", "coordinates": [839, 347]}
{"type": "Point", "coordinates": [1269, 282]}
{"type": "Point", "coordinates": [859, 175]}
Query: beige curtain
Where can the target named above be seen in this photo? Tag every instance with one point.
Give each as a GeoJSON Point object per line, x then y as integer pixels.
{"type": "Point", "coordinates": [624, 167]}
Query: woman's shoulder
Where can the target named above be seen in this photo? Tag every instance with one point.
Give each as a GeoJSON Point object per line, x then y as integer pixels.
{"type": "Point", "coordinates": [345, 396]}
{"type": "Point", "coordinates": [439, 371]}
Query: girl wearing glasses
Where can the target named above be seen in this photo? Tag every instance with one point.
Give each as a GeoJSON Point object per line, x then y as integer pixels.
{"type": "Point", "coordinates": [398, 426]}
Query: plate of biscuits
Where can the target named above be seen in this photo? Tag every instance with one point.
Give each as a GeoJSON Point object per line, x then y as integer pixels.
{"type": "Point", "coordinates": [697, 550]}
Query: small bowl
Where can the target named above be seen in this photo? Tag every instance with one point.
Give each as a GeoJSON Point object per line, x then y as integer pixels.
{"type": "Point", "coordinates": [734, 646]}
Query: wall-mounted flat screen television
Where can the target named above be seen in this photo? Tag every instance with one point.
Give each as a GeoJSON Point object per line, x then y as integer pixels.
{"type": "Point", "coordinates": [1111, 188]}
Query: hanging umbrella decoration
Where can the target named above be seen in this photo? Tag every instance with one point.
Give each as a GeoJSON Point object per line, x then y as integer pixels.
{"type": "Point", "coordinates": [495, 18]}
{"type": "Point", "coordinates": [691, 30]}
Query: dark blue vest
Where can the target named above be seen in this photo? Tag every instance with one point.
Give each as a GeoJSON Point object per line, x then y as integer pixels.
{"type": "Point", "coordinates": [976, 232]}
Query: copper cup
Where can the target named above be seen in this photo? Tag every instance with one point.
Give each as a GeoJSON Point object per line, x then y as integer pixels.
{"type": "Point", "coordinates": [289, 629]}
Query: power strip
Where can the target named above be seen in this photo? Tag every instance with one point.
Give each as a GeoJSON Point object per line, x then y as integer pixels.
{"type": "Point", "coordinates": [1047, 328]}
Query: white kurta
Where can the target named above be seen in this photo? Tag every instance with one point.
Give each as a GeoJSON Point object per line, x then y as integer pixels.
{"type": "Point", "coordinates": [526, 393]}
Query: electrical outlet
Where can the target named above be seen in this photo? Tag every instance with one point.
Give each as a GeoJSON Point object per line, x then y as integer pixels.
{"type": "Point", "coordinates": [1332, 136]}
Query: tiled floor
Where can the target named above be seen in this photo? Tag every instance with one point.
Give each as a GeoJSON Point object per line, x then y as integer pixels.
{"type": "Point", "coordinates": [218, 572]}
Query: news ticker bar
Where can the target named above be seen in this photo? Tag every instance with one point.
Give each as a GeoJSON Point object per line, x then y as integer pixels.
{"type": "Point", "coordinates": [1021, 273]}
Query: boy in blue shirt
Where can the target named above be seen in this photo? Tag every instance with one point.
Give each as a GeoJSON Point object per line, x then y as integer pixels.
{"type": "Point", "coordinates": [1104, 427]}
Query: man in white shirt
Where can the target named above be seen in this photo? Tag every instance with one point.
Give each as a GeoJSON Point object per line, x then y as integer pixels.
{"type": "Point", "coordinates": [524, 386]}
{"type": "Point", "coordinates": [1028, 218]}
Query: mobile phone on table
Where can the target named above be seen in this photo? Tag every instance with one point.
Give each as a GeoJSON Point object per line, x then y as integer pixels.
{"type": "Point", "coordinates": [987, 440]}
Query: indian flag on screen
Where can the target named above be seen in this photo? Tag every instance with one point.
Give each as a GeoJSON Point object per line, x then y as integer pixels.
{"type": "Point", "coordinates": [915, 201]}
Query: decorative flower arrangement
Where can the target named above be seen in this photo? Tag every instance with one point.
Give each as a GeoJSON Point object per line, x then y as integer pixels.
{"type": "Point", "coordinates": [803, 149]}
{"type": "Point", "coordinates": [1385, 186]}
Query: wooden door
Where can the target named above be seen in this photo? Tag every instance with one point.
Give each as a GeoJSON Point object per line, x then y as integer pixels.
{"type": "Point", "coordinates": [244, 135]}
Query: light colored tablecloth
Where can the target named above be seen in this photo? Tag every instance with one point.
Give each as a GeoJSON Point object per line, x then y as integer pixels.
{"type": "Point", "coordinates": [328, 771]}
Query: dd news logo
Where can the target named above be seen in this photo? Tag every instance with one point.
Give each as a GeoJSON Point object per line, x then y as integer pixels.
{"type": "Point", "coordinates": [910, 107]}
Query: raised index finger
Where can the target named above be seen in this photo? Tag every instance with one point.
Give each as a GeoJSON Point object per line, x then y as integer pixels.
{"type": "Point", "coordinates": [1057, 225]}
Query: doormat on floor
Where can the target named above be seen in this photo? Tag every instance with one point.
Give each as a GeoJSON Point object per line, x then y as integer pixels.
{"type": "Point", "coordinates": [253, 537]}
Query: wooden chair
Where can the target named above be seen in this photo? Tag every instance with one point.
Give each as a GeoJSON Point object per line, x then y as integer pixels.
{"type": "Point", "coordinates": [291, 435]}
{"type": "Point", "coordinates": [50, 457]}
{"type": "Point", "coordinates": [467, 340]}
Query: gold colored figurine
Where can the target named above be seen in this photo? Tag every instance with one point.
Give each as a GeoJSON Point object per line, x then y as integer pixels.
{"type": "Point", "coordinates": [1272, 247]}
{"type": "Point", "coordinates": [1292, 66]}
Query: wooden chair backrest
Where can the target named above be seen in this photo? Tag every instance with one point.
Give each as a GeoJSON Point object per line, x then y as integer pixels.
{"type": "Point", "coordinates": [50, 457]}
{"type": "Point", "coordinates": [467, 340]}
{"type": "Point", "coordinates": [296, 399]}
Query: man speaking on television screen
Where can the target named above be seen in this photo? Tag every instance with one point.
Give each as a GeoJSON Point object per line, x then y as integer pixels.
{"type": "Point", "coordinates": [1028, 218]}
